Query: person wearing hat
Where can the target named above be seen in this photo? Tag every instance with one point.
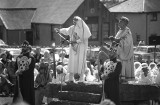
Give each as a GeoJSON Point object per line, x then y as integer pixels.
{"type": "Point", "coordinates": [125, 48]}
{"type": "Point", "coordinates": [24, 67]}
{"type": "Point", "coordinates": [109, 74]}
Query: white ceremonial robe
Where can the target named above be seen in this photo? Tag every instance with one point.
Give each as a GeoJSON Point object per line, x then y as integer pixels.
{"type": "Point", "coordinates": [125, 53]}
{"type": "Point", "coordinates": [77, 59]}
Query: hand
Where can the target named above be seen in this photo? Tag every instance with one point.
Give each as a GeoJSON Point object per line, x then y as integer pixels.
{"type": "Point", "coordinates": [103, 76]}
{"type": "Point", "coordinates": [56, 30]}
{"type": "Point", "coordinates": [18, 72]}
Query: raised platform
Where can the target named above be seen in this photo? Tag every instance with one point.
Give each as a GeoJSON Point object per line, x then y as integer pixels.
{"type": "Point", "coordinates": [91, 92]}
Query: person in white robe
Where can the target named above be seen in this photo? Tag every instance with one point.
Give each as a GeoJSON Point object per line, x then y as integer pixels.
{"type": "Point", "coordinates": [79, 34]}
{"type": "Point", "coordinates": [157, 80]}
{"type": "Point", "coordinates": [153, 71]}
{"type": "Point", "coordinates": [137, 70]}
{"type": "Point", "coordinates": [88, 76]}
{"type": "Point", "coordinates": [145, 77]}
{"type": "Point", "coordinates": [125, 49]}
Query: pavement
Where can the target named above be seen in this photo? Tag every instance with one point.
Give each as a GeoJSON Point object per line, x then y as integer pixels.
{"type": "Point", "coordinates": [4, 100]}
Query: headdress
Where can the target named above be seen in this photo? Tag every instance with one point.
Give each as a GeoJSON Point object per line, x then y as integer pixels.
{"type": "Point", "coordinates": [25, 44]}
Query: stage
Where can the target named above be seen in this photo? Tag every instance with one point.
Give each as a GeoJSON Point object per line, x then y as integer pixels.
{"type": "Point", "coordinates": [129, 93]}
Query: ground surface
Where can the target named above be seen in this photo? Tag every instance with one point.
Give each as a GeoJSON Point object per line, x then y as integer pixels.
{"type": "Point", "coordinates": [4, 100]}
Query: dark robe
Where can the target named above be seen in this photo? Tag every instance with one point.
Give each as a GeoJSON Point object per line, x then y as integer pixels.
{"type": "Point", "coordinates": [26, 79]}
{"type": "Point", "coordinates": [111, 85]}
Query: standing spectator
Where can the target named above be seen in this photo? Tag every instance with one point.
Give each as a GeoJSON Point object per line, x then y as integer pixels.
{"type": "Point", "coordinates": [125, 49]}
{"type": "Point", "coordinates": [37, 54]}
{"type": "Point", "coordinates": [42, 79]}
{"type": "Point", "coordinates": [79, 33]}
{"type": "Point", "coordinates": [24, 67]}
{"type": "Point", "coordinates": [5, 84]}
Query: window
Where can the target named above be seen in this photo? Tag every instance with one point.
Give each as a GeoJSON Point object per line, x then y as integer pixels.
{"type": "Point", "coordinates": [154, 17]}
{"type": "Point", "coordinates": [1, 32]}
{"type": "Point", "coordinates": [138, 37]}
{"type": "Point", "coordinates": [92, 23]}
{"type": "Point", "coordinates": [52, 34]}
{"type": "Point", "coordinates": [105, 30]}
{"type": "Point", "coordinates": [37, 31]}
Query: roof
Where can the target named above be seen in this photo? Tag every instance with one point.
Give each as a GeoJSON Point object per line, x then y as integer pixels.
{"type": "Point", "coordinates": [47, 11]}
{"type": "Point", "coordinates": [15, 19]}
{"type": "Point", "coordinates": [57, 13]}
{"type": "Point", "coordinates": [8, 3]}
{"type": "Point", "coordinates": [137, 6]}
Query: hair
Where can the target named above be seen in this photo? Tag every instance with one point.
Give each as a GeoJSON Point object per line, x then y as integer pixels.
{"type": "Point", "coordinates": [125, 19]}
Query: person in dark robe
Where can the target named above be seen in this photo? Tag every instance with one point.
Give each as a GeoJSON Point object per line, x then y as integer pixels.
{"type": "Point", "coordinates": [109, 74]}
{"type": "Point", "coordinates": [24, 67]}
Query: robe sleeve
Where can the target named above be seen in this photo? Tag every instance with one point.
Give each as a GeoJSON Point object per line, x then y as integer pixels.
{"type": "Point", "coordinates": [127, 40]}
{"type": "Point", "coordinates": [116, 72]}
{"type": "Point", "coordinates": [66, 31]}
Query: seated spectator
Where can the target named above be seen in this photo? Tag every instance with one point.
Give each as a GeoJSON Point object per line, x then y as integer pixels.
{"type": "Point", "coordinates": [88, 76]}
{"type": "Point", "coordinates": [61, 73]}
{"type": "Point", "coordinates": [153, 69]}
{"type": "Point", "coordinates": [137, 69]}
{"type": "Point", "coordinates": [145, 77]}
{"type": "Point", "coordinates": [157, 80]}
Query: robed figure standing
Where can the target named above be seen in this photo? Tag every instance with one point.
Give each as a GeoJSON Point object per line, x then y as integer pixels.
{"type": "Point", "coordinates": [109, 74]}
{"type": "Point", "coordinates": [79, 34]}
{"type": "Point", "coordinates": [125, 49]}
{"type": "Point", "coordinates": [24, 68]}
